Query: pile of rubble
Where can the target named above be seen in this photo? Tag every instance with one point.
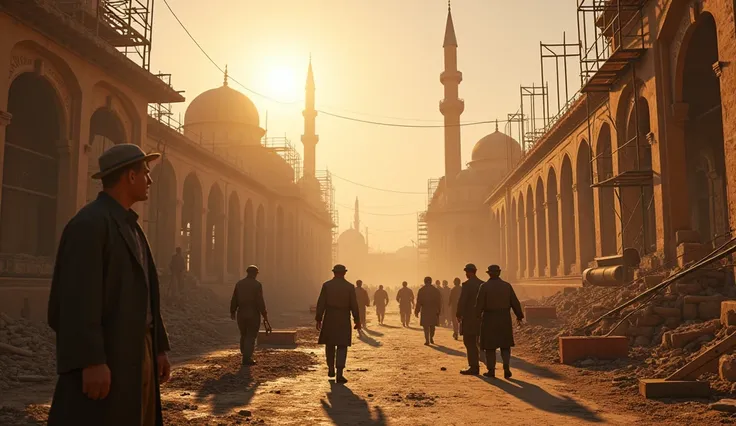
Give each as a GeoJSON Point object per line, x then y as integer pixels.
{"type": "Point", "coordinates": [665, 331]}
{"type": "Point", "coordinates": [196, 320]}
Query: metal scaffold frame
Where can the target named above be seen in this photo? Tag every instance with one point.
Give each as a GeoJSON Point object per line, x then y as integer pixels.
{"type": "Point", "coordinates": [422, 241]}
{"type": "Point", "coordinates": [612, 40]}
{"type": "Point", "coordinates": [324, 177]}
{"type": "Point", "coordinates": [432, 185]}
{"type": "Point", "coordinates": [125, 24]}
{"type": "Point", "coordinates": [283, 147]}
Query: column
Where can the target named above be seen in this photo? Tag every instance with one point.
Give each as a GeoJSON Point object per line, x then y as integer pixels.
{"type": "Point", "coordinates": [519, 254]}
{"type": "Point", "coordinates": [679, 211]}
{"type": "Point", "coordinates": [578, 268]}
{"type": "Point", "coordinates": [551, 269]}
{"type": "Point", "coordinates": [531, 255]}
{"type": "Point", "coordinates": [561, 237]}
{"type": "Point", "coordinates": [5, 118]}
{"type": "Point", "coordinates": [178, 237]}
{"type": "Point", "coordinates": [204, 246]}
{"type": "Point", "coordinates": [225, 235]}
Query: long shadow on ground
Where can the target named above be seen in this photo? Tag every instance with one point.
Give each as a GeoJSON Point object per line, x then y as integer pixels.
{"type": "Point", "coordinates": [346, 408]}
{"type": "Point", "coordinates": [373, 333]}
{"type": "Point", "coordinates": [543, 400]}
{"type": "Point", "coordinates": [530, 368]}
{"type": "Point", "coordinates": [369, 340]}
{"type": "Point", "coordinates": [448, 351]}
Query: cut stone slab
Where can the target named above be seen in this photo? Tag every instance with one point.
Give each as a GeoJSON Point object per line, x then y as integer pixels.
{"type": "Point", "coordinates": [661, 388]}
{"type": "Point", "coordinates": [728, 313]}
{"type": "Point", "coordinates": [574, 348]}
{"type": "Point", "coordinates": [277, 338]}
{"type": "Point", "coordinates": [539, 313]}
{"type": "Point", "coordinates": [725, 405]}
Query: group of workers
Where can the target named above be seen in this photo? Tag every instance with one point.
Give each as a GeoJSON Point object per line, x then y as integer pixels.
{"type": "Point", "coordinates": [111, 341]}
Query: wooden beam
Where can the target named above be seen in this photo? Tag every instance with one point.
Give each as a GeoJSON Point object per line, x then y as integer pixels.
{"type": "Point", "coordinates": [691, 369]}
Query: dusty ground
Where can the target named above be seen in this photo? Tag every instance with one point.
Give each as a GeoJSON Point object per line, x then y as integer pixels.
{"type": "Point", "coordinates": [394, 380]}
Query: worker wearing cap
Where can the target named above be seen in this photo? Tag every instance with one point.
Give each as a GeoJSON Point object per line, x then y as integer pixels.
{"type": "Point", "coordinates": [248, 306]}
{"type": "Point", "coordinates": [495, 298]}
{"type": "Point", "coordinates": [468, 318]}
{"type": "Point", "coordinates": [364, 301]}
{"type": "Point", "coordinates": [405, 298]}
{"type": "Point", "coordinates": [429, 303]}
{"type": "Point", "coordinates": [380, 300]}
{"type": "Point", "coordinates": [453, 302]}
{"type": "Point", "coordinates": [337, 301]}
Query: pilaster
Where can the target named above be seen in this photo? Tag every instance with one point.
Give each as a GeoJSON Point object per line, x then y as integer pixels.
{"type": "Point", "coordinates": [5, 118]}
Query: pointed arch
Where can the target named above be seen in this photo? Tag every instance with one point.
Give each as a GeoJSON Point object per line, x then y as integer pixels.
{"type": "Point", "coordinates": [606, 195]}
{"type": "Point", "coordinates": [248, 234]}
{"type": "Point", "coordinates": [233, 235]}
{"type": "Point", "coordinates": [523, 271]}
{"type": "Point", "coordinates": [162, 206]}
{"type": "Point", "coordinates": [586, 205]}
{"type": "Point", "coordinates": [554, 223]}
{"type": "Point", "coordinates": [191, 224]}
{"type": "Point", "coordinates": [215, 241]}
{"type": "Point", "coordinates": [541, 215]}
{"type": "Point", "coordinates": [568, 216]}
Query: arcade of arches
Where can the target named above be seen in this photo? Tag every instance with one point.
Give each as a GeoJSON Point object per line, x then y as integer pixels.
{"type": "Point", "coordinates": [561, 211]}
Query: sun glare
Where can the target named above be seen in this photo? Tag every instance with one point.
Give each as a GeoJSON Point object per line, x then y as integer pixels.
{"type": "Point", "coordinates": [282, 83]}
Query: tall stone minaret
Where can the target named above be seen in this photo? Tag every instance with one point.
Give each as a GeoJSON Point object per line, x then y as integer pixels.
{"type": "Point", "coordinates": [356, 223]}
{"type": "Point", "coordinates": [452, 106]}
{"type": "Point", "coordinates": [309, 138]}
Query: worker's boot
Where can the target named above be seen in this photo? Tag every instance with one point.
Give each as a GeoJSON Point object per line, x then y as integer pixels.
{"type": "Point", "coordinates": [340, 377]}
{"type": "Point", "coordinates": [490, 374]}
{"type": "Point", "coordinates": [330, 371]}
{"type": "Point", "coordinates": [470, 371]}
{"type": "Point", "coordinates": [507, 373]}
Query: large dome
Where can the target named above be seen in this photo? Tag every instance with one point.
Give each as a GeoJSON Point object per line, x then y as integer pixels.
{"type": "Point", "coordinates": [351, 240]}
{"type": "Point", "coordinates": [222, 105]}
{"type": "Point", "coordinates": [496, 146]}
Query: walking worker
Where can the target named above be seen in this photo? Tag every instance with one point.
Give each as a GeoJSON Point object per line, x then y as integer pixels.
{"type": "Point", "coordinates": [429, 303]}
{"type": "Point", "coordinates": [446, 312]}
{"type": "Point", "coordinates": [248, 306]}
{"type": "Point", "coordinates": [454, 300]}
{"type": "Point", "coordinates": [469, 319]}
{"type": "Point", "coordinates": [380, 300]}
{"type": "Point", "coordinates": [336, 302]}
{"type": "Point", "coordinates": [177, 267]}
{"type": "Point", "coordinates": [111, 342]}
{"type": "Point", "coordinates": [495, 298]}
{"type": "Point", "coordinates": [364, 301]}
{"type": "Point", "coordinates": [405, 299]}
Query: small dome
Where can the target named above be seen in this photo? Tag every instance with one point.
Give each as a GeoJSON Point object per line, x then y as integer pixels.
{"type": "Point", "coordinates": [496, 146]}
{"type": "Point", "coordinates": [222, 105]}
{"type": "Point", "coordinates": [351, 239]}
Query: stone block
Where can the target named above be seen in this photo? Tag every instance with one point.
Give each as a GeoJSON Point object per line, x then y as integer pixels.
{"type": "Point", "coordinates": [667, 312]}
{"type": "Point", "coordinates": [688, 253]}
{"type": "Point", "coordinates": [727, 368]}
{"type": "Point", "coordinates": [728, 313]}
{"type": "Point", "coordinates": [574, 348]}
{"type": "Point", "coordinates": [649, 320]}
{"type": "Point", "coordinates": [680, 340]}
{"type": "Point", "coordinates": [539, 313]}
{"type": "Point", "coordinates": [661, 388]}
{"type": "Point", "coordinates": [277, 338]}
{"type": "Point", "coordinates": [689, 311]}
{"type": "Point", "coordinates": [709, 310]}
{"type": "Point", "coordinates": [688, 288]}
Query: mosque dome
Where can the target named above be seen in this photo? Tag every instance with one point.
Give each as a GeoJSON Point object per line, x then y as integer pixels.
{"type": "Point", "coordinates": [351, 239]}
{"type": "Point", "coordinates": [496, 146]}
{"type": "Point", "coordinates": [222, 105]}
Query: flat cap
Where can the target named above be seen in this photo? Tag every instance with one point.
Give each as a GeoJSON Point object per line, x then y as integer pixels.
{"type": "Point", "coordinates": [121, 155]}
{"type": "Point", "coordinates": [494, 269]}
{"type": "Point", "coordinates": [470, 268]}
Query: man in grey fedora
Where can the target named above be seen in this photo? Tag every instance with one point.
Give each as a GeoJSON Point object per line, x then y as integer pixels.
{"type": "Point", "coordinates": [337, 301]}
{"type": "Point", "coordinates": [111, 342]}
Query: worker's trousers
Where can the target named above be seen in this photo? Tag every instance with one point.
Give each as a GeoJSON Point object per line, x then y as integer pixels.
{"type": "Point", "coordinates": [342, 356]}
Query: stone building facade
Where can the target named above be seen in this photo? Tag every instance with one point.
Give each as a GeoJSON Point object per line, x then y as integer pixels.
{"type": "Point", "coordinates": [584, 189]}
{"type": "Point", "coordinates": [218, 192]}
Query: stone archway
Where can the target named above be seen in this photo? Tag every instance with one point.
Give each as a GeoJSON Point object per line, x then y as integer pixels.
{"type": "Point", "coordinates": [554, 224]}
{"type": "Point", "coordinates": [704, 141]}
{"type": "Point", "coordinates": [586, 206]}
{"type": "Point", "coordinates": [512, 258]}
{"type": "Point", "coordinates": [248, 234]}
{"type": "Point", "coordinates": [540, 207]}
{"type": "Point", "coordinates": [215, 235]}
{"type": "Point", "coordinates": [606, 195]}
{"type": "Point", "coordinates": [191, 224]}
{"type": "Point", "coordinates": [105, 130]}
{"type": "Point", "coordinates": [233, 235]}
{"type": "Point", "coordinates": [521, 224]}
{"type": "Point", "coordinates": [31, 173]}
{"type": "Point", "coordinates": [162, 212]}
{"type": "Point", "coordinates": [531, 246]}
{"type": "Point", "coordinates": [568, 217]}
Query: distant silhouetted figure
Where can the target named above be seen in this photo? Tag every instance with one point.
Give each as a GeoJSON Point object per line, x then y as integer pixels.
{"type": "Point", "coordinates": [495, 298]}
{"type": "Point", "coordinates": [454, 300]}
{"type": "Point", "coordinates": [469, 319]}
{"type": "Point", "coordinates": [336, 302]}
{"type": "Point", "coordinates": [177, 266]}
{"type": "Point", "coordinates": [364, 301]}
{"type": "Point", "coordinates": [380, 300]}
{"type": "Point", "coordinates": [429, 303]}
{"type": "Point", "coordinates": [405, 299]}
{"type": "Point", "coordinates": [248, 306]}
{"type": "Point", "coordinates": [446, 312]}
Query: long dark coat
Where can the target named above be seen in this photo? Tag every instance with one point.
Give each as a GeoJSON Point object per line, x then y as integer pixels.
{"type": "Point", "coordinates": [405, 297]}
{"type": "Point", "coordinates": [495, 298]}
{"type": "Point", "coordinates": [336, 302]}
{"type": "Point", "coordinates": [470, 325]}
{"type": "Point", "coordinates": [429, 303]}
{"type": "Point", "coordinates": [97, 307]}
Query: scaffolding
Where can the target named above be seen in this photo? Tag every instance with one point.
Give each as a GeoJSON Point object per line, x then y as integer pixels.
{"type": "Point", "coordinates": [324, 177]}
{"type": "Point", "coordinates": [432, 185]}
{"type": "Point", "coordinates": [125, 24]}
{"type": "Point", "coordinates": [422, 241]}
{"type": "Point", "coordinates": [612, 40]}
{"type": "Point", "coordinates": [283, 147]}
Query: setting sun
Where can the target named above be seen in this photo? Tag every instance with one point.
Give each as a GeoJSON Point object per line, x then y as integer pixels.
{"type": "Point", "coordinates": [282, 83]}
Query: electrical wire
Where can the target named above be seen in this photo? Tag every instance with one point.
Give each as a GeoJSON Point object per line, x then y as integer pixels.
{"type": "Point", "coordinates": [378, 189]}
{"type": "Point", "coordinates": [377, 214]}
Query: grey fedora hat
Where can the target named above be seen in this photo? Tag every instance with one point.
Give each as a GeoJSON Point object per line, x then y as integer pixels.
{"type": "Point", "coordinates": [121, 155]}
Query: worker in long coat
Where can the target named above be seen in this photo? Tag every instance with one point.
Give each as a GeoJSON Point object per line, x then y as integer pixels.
{"type": "Point", "coordinates": [111, 342]}
{"type": "Point", "coordinates": [453, 302]}
{"type": "Point", "coordinates": [364, 301]}
{"type": "Point", "coordinates": [469, 320]}
{"type": "Point", "coordinates": [380, 300]}
{"type": "Point", "coordinates": [248, 306]}
{"type": "Point", "coordinates": [405, 299]}
{"type": "Point", "coordinates": [446, 313]}
{"type": "Point", "coordinates": [429, 304]}
{"type": "Point", "coordinates": [336, 302]}
{"type": "Point", "coordinates": [495, 298]}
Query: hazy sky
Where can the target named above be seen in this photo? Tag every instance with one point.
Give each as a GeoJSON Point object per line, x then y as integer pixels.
{"type": "Point", "coordinates": [375, 60]}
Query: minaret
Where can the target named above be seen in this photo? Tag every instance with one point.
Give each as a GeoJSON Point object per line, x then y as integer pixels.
{"type": "Point", "coordinates": [452, 106]}
{"type": "Point", "coordinates": [356, 223]}
{"type": "Point", "coordinates": [309, 138]}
